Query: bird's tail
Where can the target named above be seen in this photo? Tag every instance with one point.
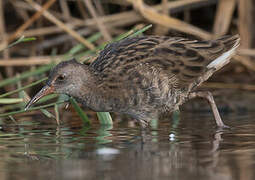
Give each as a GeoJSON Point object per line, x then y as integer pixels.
{"type": "Point", "coordinates": [231, 43]}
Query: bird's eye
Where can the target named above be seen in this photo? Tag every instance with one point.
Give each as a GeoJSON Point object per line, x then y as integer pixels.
{"type": "Point", "coordinates": [61, 77]}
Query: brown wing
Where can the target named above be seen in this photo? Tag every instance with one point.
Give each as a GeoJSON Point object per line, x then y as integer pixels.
{"type": "Point", "coordinates": [124, 52]}
{"type": "Point", "coordinates": [189, 59]}
{"type": "Point", "coordinates": [181, 59]}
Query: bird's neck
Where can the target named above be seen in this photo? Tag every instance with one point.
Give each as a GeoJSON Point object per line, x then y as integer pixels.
{"type": "Point", "coordinates": [90, 92]}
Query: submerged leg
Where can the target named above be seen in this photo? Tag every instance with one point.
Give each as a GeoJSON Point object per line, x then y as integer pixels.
{"type": "Point", "coordinates": [208, 96]}
{"type": "Point", "coordinates": [144, 118]}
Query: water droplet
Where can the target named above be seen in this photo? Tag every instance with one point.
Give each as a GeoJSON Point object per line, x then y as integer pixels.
{"type": "Point", "coordinates": [171, 137]}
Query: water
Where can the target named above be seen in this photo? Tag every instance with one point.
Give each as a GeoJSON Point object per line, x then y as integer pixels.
{"type": "Point", "coordinates": [189, 148]}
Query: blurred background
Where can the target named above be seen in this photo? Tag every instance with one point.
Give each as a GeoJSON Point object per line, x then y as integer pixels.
{"type": "Point", "coordinates": [35, 35]}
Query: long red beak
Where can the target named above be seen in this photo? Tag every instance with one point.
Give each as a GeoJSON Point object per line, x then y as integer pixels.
{"type": "Point", "coordinates": [43, 92]}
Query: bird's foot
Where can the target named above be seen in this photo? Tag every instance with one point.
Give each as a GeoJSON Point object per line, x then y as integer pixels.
{"type": "Point", "coordinates": [223, 127]}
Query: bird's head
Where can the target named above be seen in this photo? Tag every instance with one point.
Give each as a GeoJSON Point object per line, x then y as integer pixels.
{"type": "Point", "coordinates": [65, 78]}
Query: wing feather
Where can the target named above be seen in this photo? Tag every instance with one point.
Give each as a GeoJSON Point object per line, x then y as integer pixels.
{"type": "Point", "coordinates": [181, 59]}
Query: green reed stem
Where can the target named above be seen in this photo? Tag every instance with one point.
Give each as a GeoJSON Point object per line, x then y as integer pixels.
{"type": "Point", "coordinates": [10, 100]}
{"type": "Point", "coordinates": [80, 112]}
{"type": "Point", "coordinates": [104, 118]}
{"type": "Point", "coordinates": [25, 75]}
{"type": "Point", "coordinates": [20, 40]}
{"type": "Point", "coordinates": [22, 88]}
{"type": "Point", "coordinates": [30, 109]}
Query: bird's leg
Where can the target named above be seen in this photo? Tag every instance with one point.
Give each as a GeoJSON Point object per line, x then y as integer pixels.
{"type": "Point", "coordinates": [208, 96]}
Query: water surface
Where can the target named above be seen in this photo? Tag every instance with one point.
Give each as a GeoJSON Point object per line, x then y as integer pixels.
{"type": "Point", "coordinates": [187, 148]}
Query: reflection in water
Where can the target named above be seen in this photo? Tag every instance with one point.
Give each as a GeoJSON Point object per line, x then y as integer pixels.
{"type": "Point", "coordinates": [103, 133]}
{"type": "Point", "coordinates": [185, 148]}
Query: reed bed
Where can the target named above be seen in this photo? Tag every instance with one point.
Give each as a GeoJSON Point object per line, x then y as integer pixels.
{"type": "Point", "coordinates": [35, 35]}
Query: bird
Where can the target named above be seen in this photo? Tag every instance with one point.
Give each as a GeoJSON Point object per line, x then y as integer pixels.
{"type": "Point", "coordinates": [143, 76]}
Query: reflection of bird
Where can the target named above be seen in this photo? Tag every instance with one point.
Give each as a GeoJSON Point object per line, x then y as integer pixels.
{"type": "Point", "coordinates": [143, 76]}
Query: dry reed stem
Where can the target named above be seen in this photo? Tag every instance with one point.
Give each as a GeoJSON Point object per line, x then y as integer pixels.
{"type": "Point", "coordinates": [99, 7]}
{"type": "Point", "coordinates": [246, 24]}
{"type": "Point", "coordinates": [120, 19]}
{"type": "Point", "coordinates": [29, 61]}
{"type": "Point", "coordinates": [60, 24]}
{"type": "Point", "coordinates": [98, 21]}
{"type": "Point", "coordinates": [184, 4]}
{"type": "Point", "coordinates": [3, 35]}
{"type": "Point", "coordinates": [2, 30]}
{"type": "Point", "coordinates": [246, 52]}
{"type": "Point", "coordinates": [162, 30]}
{"type": "Point", "coordinates": [38, 14]}
{"type": "Point", "coordinates": [247, 62]}
{"type": "Point", "coordinates": [60, 39]}
{"type": "Point", "coordinates": [6, 54]}
{"type": "Point", "coordinates": [224, 13]}
{"type": "Point", "coordinates": [170, 22]}
{"type": "Point", "coordinates": [82, 9]}
{"type": "Point", "coordinates": [39, 60]}
{"type": "Point", "coordinates": [26, 6]}
{"type": "Point", "coordinates": [65, 9]}
{"type": "Point", "coordinates": [126, 18]}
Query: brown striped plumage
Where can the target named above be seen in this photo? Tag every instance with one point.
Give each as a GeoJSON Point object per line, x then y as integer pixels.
{"type": "Point", "coordinates": [143, 76]}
